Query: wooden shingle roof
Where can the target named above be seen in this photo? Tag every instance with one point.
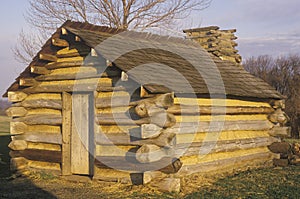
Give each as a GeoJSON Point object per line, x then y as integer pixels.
{"type": "Point", "coordinates": [167, 63]}
{"type": "Point", "coordinates": [172, 52]}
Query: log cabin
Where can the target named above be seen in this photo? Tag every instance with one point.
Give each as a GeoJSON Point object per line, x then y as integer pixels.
{"type": "Point", "coordinates": [137, 108]}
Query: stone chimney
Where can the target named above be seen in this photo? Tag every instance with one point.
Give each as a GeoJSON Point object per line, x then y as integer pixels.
{"type": "Point", "coordinates": [217, 42]}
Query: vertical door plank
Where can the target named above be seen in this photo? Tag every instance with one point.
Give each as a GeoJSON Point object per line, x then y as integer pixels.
{"type": "Point", "coordinates": [66, 133]}
{"type": "Point", "coordinates": [80, 134]}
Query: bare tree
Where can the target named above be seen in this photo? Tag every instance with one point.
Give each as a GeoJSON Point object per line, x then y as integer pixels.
{"type": "Point", "coordinates": [283, 73]}
{"type": "Point", "coordinates": [47, 15]}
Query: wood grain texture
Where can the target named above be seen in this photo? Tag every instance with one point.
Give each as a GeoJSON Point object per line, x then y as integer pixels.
{"type": "Point", "coordinates": [66, 133]}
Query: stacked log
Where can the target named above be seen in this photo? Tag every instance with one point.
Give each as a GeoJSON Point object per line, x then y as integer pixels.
{"type": "Point", "coordinates": [284, 150]}
{"type": "Point", "coordinates": [36, 111]}
{"type": "Point", "coordinates": [218, 42]}
{"type": "Point", "coordinates": [210, 138]}
{"type": "Point", "coordinates": [289, 154]}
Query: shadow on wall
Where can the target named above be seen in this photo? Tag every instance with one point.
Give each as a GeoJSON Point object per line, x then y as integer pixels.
{"type": "Point", "coordinates": [19, 187]}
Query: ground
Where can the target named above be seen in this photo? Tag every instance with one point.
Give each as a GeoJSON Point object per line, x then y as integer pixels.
{"type": "Point", "coordinates": [259, 183]}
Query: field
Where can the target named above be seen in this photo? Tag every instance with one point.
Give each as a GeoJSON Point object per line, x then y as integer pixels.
{"type": "Point", "coordinates": [4, 141]}
{"type": "Point", "coordinates": [259, 183]}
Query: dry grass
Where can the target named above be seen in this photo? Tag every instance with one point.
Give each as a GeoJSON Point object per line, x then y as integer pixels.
{"type": "Point", "coordinates": [258, 183]}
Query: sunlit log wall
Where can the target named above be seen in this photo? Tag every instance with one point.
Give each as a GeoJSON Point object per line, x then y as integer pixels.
{"type": "Point", "coordinates": [135, 134]}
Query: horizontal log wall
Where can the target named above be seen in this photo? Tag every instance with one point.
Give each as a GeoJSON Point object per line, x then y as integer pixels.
{"type": "Point", "coordinates": [242, 142]}
{"type": "Point", "coordinates": [37, 107]}
{"type": "Point", "coordinates": [244, 132]}
{"type": "Point", "coordinates": [235, 130]}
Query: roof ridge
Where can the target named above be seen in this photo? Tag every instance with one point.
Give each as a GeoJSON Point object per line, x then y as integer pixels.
{"type": "Point", "coordinates": [73, 26]}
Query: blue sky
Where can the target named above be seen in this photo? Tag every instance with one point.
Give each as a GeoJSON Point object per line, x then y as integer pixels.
{"type": "Point", "coordinates": [263, 27]}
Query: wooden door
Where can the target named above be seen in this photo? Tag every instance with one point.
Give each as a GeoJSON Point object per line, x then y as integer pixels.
{"type": "Point", "coordinates": [78, 147]}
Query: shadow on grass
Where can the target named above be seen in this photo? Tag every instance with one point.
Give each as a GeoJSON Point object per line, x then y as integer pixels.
{"type": "Point", "coordinates": [19, 187]}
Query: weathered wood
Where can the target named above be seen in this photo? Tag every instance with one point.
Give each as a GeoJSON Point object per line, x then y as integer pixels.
{"type": "Point", "coordinates": [59, 42]}
{"type": "Point", "coordinates": [114, 150]}
{"type": "Point", "coordinates": [124, 76]}
{"type": "Point", "coordinates": [278, 104]}
{"type": "Point", "coordinates": [280, 147]}
{"type": "Point", "coordinates": [72, 88]}
{"type": "Point", "coordinates": [167, 185]}
{"type": "Point", "coordinates": [47, 57]}
{"type": "Point", "coordinates": [40, 70]}
{"type": "Point", "coordinates": [146, 109]}
{"type": "Point", "coordinates": [218, 102]}
{"type": "Point", "coordinates": [66, 133]}
{"type": "Point", "coordinates": [207, 157]}
{"type": "Point", "coordinates": [69, 76]}
{"type": "Point", "coordinates": [166, 165]}
{"type": "Point", "coordinates": [43, 111]}
{"type": "Point", "coordinates": [165, 139]}
{"type": "Point", "coordinates": [93, 53]}
{"type": "Point", "coordinates": [278, 131]}
{"type": "Point", "coordinates": [144, 93]}
{"type": "Point", "coordinates": [64, 31]}
{"type": "Point", "coordinates": [109, 119]}
{"type": "Point", "coordinates": [77, 38]}
{"type": "Point", "coordinates": [18, 145]}
{"type": "Point", "coordinates": [227, 164]}
{"type": "Point", "coordinates": [16, 112]}
{"type": "Point", "coordinates": [208, 110]}
{"type": "Point", "coordinates": [73, 51]}
{"type": "Point", "coordinates": [41, 137]}
{"type": "Point", "coordinates": [44, 146]}
{"type": "Point", "coordinates": [17, 128]}
{"type": "Point", "coordinates": [150, 131]}
{"type": "Point", "coordinates": [43, 165]}
{"type": "Point", "coordinates": [163, 100]}
{"type": "Point", "coordinates": [17, 164]}
{"type": "Point", "coordinates": [196, 148]}
{"type": "Point", "coordinates": [150, 153]}
{"type": "Point", "coordinates": [216, 126]}
{"type": "Point", "coordinates": [40, 120]}
{"type": "Point", "coordinates": [72, 85]}
{"type": "Point", "coordinates": [218, 118]}
{"type": "Point", "coordinates": [112, 99]}
{"type": "Point", "coordinates": [112, 175]}
{"type": "Point", "coordinates": [27, 82]}
{"type": "Point", "coordinates": [222, 135]}
{"type": "Point", "coordinates": [148, 176]}
{"type": "Point", "coordinates": [40, 103]}
{"type": "Point", "coordinates": [16, 96]}
{"type": "Point", "coordinates": [38, 155]}
{"type": "Point", "coordinates": [91, 61]}
{"type": "Point", "coordinates": [80, 136]}
{"type": "Point", "coordinates": [163, 119]}
{"type": "Point", "coordinates": [278, 116]}
{"type": "Point", "coordinates": [201, 127]}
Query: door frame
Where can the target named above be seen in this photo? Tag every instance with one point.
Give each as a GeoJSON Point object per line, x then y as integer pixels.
{"type": "Point", "coordinates": [67, 132]}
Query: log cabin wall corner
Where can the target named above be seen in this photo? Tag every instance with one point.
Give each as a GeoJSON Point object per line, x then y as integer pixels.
{"type": "Point", "coordinates": [72, 99]}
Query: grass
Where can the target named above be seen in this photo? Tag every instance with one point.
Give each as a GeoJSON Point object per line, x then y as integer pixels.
{"type": "Point", "coordinates": [259, 183]}
{"type": "Point", "coordinates": [4, 141]}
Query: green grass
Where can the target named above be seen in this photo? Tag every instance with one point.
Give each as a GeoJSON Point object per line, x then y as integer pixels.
{"type": "Point", "coordinates": [259, 183]}
{"type": "Point", "coordinates": [4, 150]}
